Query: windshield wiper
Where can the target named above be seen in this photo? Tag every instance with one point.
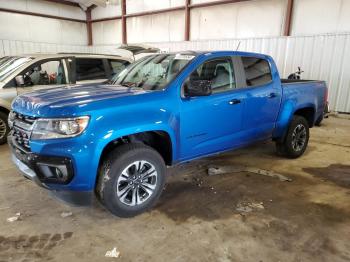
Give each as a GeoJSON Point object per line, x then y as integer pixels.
{"type": "Point", "coordinates": [128, 84]}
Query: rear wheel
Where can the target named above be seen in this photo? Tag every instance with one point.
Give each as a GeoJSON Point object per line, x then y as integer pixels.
{"type": "Point", "coordinates": [4, 128]}
{"type": "Point", "coordinates": [131, 180]}
{"type": "Point", "coordinates": [296, 140]}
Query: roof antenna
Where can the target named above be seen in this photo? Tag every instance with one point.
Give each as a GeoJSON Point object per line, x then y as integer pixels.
{"type": "Point", "coordinates": [239, 43]}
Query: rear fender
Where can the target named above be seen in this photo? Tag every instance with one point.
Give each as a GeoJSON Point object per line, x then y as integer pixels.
{"type": "Point", "coordinates": [286, 114]}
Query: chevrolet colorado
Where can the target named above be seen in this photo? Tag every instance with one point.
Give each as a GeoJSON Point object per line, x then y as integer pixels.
{"type": "Point", "coordinates": [115, 141]}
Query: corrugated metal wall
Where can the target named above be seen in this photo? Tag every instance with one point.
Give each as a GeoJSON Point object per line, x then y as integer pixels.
{"type": "Point", "coordinates": [322, 57]}
{"type": "Point", "coordinates": [13, 47]}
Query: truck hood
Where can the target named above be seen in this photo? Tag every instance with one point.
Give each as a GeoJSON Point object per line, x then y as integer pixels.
{"type": "Point", "coordinates": [61, 100]}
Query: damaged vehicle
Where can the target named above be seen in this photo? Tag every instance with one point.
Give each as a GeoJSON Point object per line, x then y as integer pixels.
{"type": "Point", "coordinates": [115, 141]}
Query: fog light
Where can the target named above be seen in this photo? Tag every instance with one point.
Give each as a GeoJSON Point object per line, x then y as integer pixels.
{"type": "Point", "coordinates": [53, 173]}
{"type": "Point", "coordinates": [61, 173]}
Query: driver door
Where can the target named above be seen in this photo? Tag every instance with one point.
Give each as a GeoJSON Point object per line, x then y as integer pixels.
{"type": "Point", "coordinates": [45, 74]}
{"type": "Point", "coordinates": [210, 124]}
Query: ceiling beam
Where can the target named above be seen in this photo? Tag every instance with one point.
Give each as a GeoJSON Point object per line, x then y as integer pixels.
{"type": "Point", "coordinates": [41, 15]}
{"type": "Point", "coordinates": [64, 2]}
{"type": "Point", "coordinates": [221, 2]}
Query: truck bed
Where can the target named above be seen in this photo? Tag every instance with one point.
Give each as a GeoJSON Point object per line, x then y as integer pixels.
{"type": "Point", "coordinates": [290, 81]}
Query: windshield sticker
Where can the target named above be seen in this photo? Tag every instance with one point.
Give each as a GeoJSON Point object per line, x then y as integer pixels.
{"type": "Point", "coordinates": [183, 57]}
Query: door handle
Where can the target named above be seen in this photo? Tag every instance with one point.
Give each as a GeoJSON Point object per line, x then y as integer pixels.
{"type": "Point", "coordinates": [272, 95]}
{"type": "Point", "coordinates": [234, 102]}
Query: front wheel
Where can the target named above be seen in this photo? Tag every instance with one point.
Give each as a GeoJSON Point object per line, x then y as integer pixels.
{"type": "Point", "coordinates": [4, 128]}
{"type": "Point", "coordinates": [296, 140]}
{"type": "Point", "coordinates": [131, 180]}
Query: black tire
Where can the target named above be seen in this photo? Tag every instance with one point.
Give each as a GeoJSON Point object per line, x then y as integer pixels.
{"type": "Point", "coordinates": [293, 145]}
{"type": "Point", "coordinates": [4, 128]}
{"type": "Point", "coordinates": [107, 188]}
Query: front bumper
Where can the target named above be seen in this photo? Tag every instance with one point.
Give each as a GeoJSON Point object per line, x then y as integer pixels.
{"type": "Point", "coordinates": [26, 171]}
{"type": "Point", "coordinates": [44, 170]}
{"type": "Point", "coordinates": [37, 169]}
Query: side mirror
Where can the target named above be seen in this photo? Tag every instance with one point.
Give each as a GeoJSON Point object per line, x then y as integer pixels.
{"type": "Point", "coordinates": [19, 80]}
{"type": "Point", "coordinates": [197, 88]}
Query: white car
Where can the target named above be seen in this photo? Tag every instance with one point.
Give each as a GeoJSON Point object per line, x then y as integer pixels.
{"type": "Point", "coordinates": [27, 73]}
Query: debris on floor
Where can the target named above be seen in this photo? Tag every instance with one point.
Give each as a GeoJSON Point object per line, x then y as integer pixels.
{"type": "Point", "coordinates": [113, 253]}
{"type": "Point", "coordinates": [247, 207]}
{"type": "Point", "coordinates": [14, 218]}
{"type": "Point", "coordinates": [66, 214]}
{"type": "Point", "coordinates": [197, 181]}
{"type": "Point", "coordinates": [219, 170]}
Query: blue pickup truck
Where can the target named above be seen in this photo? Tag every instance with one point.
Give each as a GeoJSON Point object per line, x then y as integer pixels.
{"type": "Point", "coordinates": [115, 141]}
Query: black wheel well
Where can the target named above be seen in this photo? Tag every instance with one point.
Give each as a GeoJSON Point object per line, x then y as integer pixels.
{"type": "Point", "coordinates": [4, 110]}
{"type": "Point", "coordinates": [158, 140]}
{"type": "Point", "coordinates": [308, 113]}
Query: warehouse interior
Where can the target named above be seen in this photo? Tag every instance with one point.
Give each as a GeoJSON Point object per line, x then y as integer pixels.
{"type": "Point", "coordinates": [264, 208]}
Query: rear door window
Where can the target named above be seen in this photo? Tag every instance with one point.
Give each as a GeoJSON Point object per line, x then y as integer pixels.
{"type": "Point", "coordinates": [257, 71]}
{"type": "Point", "coordinates": [90, 69]}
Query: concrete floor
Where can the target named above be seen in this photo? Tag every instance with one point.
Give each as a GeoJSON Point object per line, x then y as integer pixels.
{"type": "Point", "coordinates": [196, 218]}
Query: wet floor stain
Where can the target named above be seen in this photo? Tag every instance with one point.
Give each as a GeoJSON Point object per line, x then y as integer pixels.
{"type": "Point", "coordinates": [30, 248]}
{"type": "Point", "coordinates": [216, 197]}
{"type": "Point", "coordinates": [337, 173]}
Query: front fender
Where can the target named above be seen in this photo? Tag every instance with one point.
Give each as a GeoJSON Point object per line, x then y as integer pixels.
{"type": "Point", "coordinates": [113, 135]}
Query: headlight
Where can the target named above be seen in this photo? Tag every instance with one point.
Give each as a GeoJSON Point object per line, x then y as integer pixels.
{"type": "Point", "coordinates": [59, 128]}
{"type": "Point", "coordinates": [11, 119]}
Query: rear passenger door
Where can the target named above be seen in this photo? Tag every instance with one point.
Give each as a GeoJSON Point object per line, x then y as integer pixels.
{"type": "Point", "coordinates": [90, 70]}
{"type": "Point", "coordinates": [263, 98]}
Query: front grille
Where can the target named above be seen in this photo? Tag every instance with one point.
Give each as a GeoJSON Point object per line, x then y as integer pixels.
{"type": "Point", "coordinates": [22, 129]}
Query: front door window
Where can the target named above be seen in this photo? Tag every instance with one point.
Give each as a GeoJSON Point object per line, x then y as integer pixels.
{"type": "Point", "coordinates": [47, 73]}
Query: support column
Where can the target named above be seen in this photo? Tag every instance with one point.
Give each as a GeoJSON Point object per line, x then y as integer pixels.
{"type": "Point", "coordinates": [187, 20]}
{"type": "Point", "coordinates": [89, 26]}
{"type": "Point", "coordinates": [288, 19]}
{"type": "Point", "coordinates": [124, 30]}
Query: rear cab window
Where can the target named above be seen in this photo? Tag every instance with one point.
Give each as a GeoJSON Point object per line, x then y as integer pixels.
{"type": "Point", "coordinates": [257, 71]}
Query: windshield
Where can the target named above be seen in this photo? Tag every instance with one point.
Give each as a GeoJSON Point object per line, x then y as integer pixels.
{"type": "Point", "coordinates": [10, 64]}
{"type": "Point", "coordinates": [153, 72]}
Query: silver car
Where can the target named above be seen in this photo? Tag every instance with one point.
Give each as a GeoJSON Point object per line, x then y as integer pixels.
{"type": "Point", "coordinates": [23, 74]}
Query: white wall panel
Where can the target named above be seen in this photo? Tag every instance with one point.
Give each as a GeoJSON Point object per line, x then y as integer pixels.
{"type": "Point", "coordinates": [107, 33]}
{"type": "Point", "coordinates": [43, 7]}
{"type": "Point", "coordinates": [320, 16]}
{"type": "Point", "coordinates": [109, 11]}
{"type": "Point", "coordinates": [135, 6]}
{"type": "Point", "coordinates": [162, 27]}
{"type": "Point", "coordinates": [238, 20]}
{"type": "Point", "coordinates": [40, 29]}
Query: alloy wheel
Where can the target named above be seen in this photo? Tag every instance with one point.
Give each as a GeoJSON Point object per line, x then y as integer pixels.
{"type": "Point", "coordinates": [137, 183]}
{"type": "Point", "coordinates": [299, 137]}
{"type": "Point", "coordinates": [3, 129]}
